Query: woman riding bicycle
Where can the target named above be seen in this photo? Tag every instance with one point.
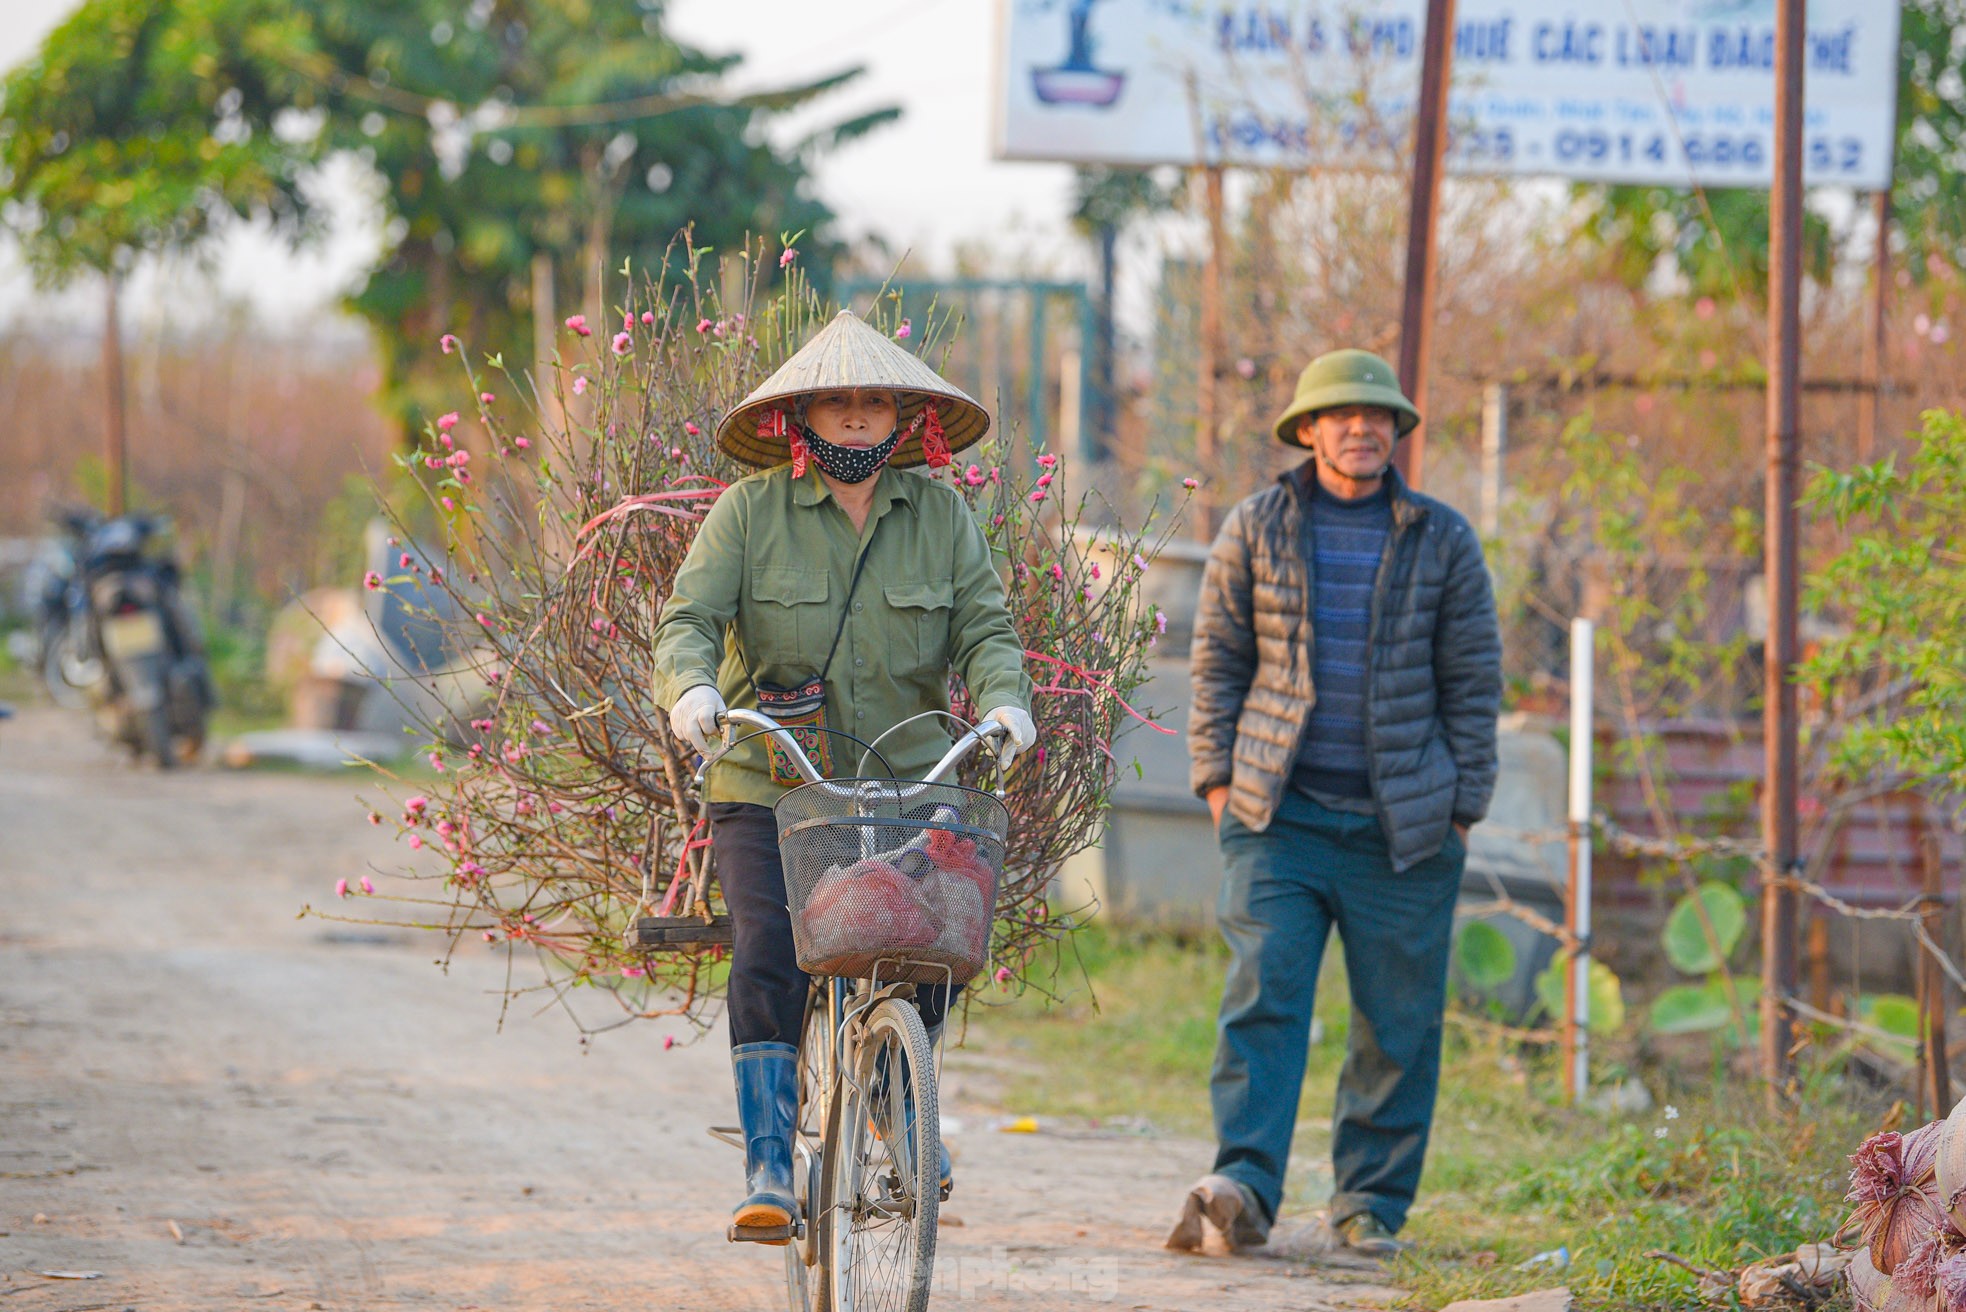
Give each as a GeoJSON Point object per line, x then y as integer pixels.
{"type": "Point", "coordinates": [830, 592]}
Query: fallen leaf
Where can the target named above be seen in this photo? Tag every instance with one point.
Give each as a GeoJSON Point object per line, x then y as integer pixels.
{"type": "Point", "coordinates": [70, 1275]}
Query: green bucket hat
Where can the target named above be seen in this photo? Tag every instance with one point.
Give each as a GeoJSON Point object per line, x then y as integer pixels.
{"type": "Point", "coordinates": [1348, 377]}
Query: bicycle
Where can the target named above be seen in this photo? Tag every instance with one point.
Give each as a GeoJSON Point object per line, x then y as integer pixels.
{"type": "Point", "coordinates": [866, 1137]}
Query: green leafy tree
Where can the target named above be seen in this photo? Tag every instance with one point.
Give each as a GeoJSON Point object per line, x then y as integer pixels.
{"type": "Point", "coordinates": [1894, 678]}
{"type": "Point", "coordinates": [1718, 239]}
{"type": "Point", "coordinates": [530, 144]}
{"type": "Point", "coordinates": [141, 127]}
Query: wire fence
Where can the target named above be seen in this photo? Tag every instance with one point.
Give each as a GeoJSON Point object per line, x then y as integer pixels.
{"type": "Point", "coordinates": [1915, 912]}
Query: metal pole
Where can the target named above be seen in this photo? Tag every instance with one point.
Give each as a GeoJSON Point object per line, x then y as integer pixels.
{"type": "Point", "coordinates": [115, 437]}
{"type": "Point", "coordinates": [1097, 415]}
{"type": "Point", "coordinates": [1937, 1082]}
{"type": "Point", "coordinates": [1577, 992]}
{"type": "Point", "coordinates": [1494, 446]}
{"type": "Point", "coordinates": [543, 324]}
{"type": "Point", "coordinates": [1034, 402]}
{"type": "Point", "coordinates": [1071, 402]}
{"type": "Point", "coordinates": [1209, 407]}
{"type": "Point", "coordinates": [1869, 399]}
{"type": "Point", "coordinates": [1778, 794]}
{"type": "Point", "coordinates": [1416, 315]}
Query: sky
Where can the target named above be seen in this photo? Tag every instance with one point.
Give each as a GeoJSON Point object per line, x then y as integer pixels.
{"type": "Point", "coordinates": [926, 185]}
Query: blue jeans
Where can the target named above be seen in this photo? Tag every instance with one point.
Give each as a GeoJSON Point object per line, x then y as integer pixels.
{"type": "Point", "coordinates": [1283, 891]}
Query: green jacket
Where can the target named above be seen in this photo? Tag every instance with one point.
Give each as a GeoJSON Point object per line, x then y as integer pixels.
{"type": "Point", "coordinates": [770, 568]}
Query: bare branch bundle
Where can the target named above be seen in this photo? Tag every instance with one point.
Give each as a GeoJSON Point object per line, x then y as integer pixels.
{"type": "Point", "coordinates": [564, 811]}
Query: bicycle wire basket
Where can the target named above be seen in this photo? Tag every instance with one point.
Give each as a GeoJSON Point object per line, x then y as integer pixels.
{"type": "Point", "coordinates": [891, 872]}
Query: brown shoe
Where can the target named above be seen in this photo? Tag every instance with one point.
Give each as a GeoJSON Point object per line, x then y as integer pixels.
{"type": "Point", "coordinates": [1226, 1205]}
{"type": "Point", "coordinates": [1367, 1234]}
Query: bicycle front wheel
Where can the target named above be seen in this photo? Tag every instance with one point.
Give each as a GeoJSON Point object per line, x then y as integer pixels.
{"type": "Point", "coordinates": [882, 1176]}
{"type": "Point", "coordinates": [805, 1269]}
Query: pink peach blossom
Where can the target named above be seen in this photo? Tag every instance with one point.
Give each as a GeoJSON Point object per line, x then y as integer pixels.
{"type": "Point", "coordinates": [791, 253]}
{"type": "Point", "coordinates": [579, 386]}
{"type": "Point", "coordinates": [446, 422]}
{"type": "Point", "coordinates": [341, 888]}
{"type": "Point", "coordinates": [623, 343]}
{"type": "Point", "coordinates": [372, 580]}
{"type": "Point", "coordinates": [578, 322]}
{"type": "Point", "coordinates": [448, 343]}
{"type": "Point", "coordinates": [367, 887]}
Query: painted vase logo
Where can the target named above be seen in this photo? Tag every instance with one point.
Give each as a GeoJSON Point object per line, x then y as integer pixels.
{"type": "Point", "coordinates": [1078, 81]}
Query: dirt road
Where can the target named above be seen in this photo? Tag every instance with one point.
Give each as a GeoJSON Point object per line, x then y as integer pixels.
{"type": "Point", "coordinates": [216, 1105]}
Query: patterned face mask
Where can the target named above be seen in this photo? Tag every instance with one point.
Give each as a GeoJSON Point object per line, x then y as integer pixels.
{"type": "Point", "coordinates": [851, 464]}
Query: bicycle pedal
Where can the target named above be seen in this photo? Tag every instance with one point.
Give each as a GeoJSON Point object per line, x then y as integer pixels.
{"type": "Point", "coordinates": [764, 1234]}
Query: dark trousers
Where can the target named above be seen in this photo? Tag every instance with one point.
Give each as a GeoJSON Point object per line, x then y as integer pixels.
{"type": "Point", "coordinates": [767, 988]}
{"type": "Point", "coordinates": [1283, 892]}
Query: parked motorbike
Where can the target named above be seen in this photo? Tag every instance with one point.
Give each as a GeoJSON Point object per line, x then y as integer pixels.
{"type": "Point", "coordinates": [62, 651]}
{"type": "Point", "coordinates": [155, 690]}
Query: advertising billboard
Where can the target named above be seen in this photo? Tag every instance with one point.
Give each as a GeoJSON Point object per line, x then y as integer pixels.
{"type": "Point", "coordinates": [1672, 92]}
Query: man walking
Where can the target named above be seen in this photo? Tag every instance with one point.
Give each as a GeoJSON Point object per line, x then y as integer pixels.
{"type": "Point", "coordinates": [1347, 679]}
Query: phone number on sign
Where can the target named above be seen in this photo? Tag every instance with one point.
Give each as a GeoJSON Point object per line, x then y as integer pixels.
{"type": "Point", "coordinates": [1700, 150]}
{"type": "Point", "coordinates": [1500, 144]}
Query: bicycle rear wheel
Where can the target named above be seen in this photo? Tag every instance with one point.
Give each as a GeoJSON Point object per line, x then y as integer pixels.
{"type": "Point", "coordinates": [880, 1168]}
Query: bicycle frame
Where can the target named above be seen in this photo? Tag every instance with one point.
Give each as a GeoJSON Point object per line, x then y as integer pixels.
{"type": "Point", "coordinates": [833, 1064]}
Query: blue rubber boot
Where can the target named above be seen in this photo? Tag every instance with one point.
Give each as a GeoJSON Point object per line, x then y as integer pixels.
{"type": "Point", "coordinates": [767, 1104]}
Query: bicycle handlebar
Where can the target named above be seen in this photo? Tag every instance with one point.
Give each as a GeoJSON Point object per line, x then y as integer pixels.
{"type": "Point", "coordinates": [957, 752]}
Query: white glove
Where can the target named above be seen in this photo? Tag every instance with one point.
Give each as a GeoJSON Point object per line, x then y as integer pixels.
{"type": "Point", "coordinates": [1023, 733]}
{"type": "Point", "coordinates": [694, 716]}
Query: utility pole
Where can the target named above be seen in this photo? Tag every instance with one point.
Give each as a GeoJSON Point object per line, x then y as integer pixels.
{"type": "Point", "coordinates": [1209, 425]}
{"type": "Point", "coordinates": [1778, 794]}
{"type": "Point", "coordinates": [1871, 399]}
{"type": "Point", "coordinates": [116, 455]}
{"type": "Point", "coordinates": [1416, 314]}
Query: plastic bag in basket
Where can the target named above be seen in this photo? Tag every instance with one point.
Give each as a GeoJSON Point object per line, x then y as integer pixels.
{"type": "Point", "coordinates": [958, 856]}
{"type": "Point", "coordinates": [865, 906]}
{"type": "Point", "coordinates": [957, 900]}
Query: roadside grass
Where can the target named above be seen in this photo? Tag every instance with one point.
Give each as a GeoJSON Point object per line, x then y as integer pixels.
{"type": "Point", "coordinates": [1708, 1173]}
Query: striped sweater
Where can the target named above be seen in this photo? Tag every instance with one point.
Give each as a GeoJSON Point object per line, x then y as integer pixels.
{"type": "Point", "coordinates": [1346, 541]}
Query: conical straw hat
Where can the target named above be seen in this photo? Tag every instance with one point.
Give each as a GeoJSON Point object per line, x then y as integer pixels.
{"type": "Point", "coordinates": [848, 353]}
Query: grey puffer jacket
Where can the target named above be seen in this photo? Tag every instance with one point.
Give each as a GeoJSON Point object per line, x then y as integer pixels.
{"type": "Point", "coordinates": [1435, 667]}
